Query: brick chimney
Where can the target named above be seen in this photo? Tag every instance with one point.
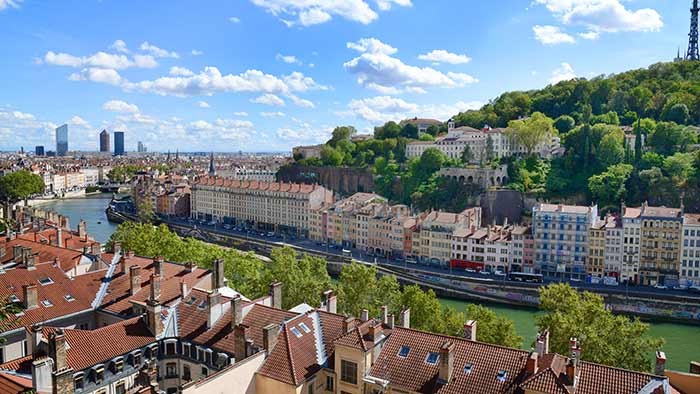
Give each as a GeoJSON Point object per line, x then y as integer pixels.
{"type": "Point", "coordinates": [96, 249]}
{"type": "Point", "coordinates": [236, 311]}
{"type": "Point", "coordinates": [30, 294]}
{"type": "Point", "coordinates": [446, 362]}
{"type": "Point", "coordinates": [330, 301]}
{"type": "Point", "coordinates": [158, 266]}
{"type": "Point", "coordinates": [385, 314]}
{"type": "Point", "coordinates": [190, 266]}
{"type": "Point", "coordinates": [470, 330]}
{"type": "Point", "coordinates": [390, 321]}
{"type": "Point", "coordinates": [30, 262]}
{"type": "Point", "coordinates": [217, 278]}
{"type": "Point", "coordinates": [376, 332]}
{"type": "Point", "coordinates": [348, 324]}
{"type": "Point", "coordinates": [531, 364]}
{"type": "Point", "coordinates": [183, 289]}
{"type": "Point", "coordinates": [17, 253]}
{"type": "Point", "coordinates": [123, 264]}
{"type": "Point", "coordinates": [575, 349]}
{"type": "Point", "coordinates": [542, 342]}
{"type": "Point", "coordinates": [270, 333]}
{"type": "Point", "coordinates": [57, 350]}
{"type": "Point", "coordinates": [59, 237]}
{"type": "Point", "coordinates": [364, 315]}
{"type": "Point", "coordinates": [153, 317]}
{"type": "Point", "coordinates": [405, 318]}
{"type": "Point", "coordinates": [240, 342]}
{"type": "Point", "coordinates": [135, 279]}
{"type": "Point", "coordinates": [82, 230]}
{"type": "Point", "coordinates": [660, 368]}
{"type": "Point", "coordinates": [213, 308]}
{"type": "Point", "coordinates": [117, 247]}
{"type": "Point", "coordinates": [276, 294]}
{"type": "Point", "coordinates": [155, 288]}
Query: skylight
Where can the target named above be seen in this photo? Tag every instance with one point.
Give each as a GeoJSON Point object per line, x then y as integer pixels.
{"type": "Point", "coordinates": [46, 303]}
{"type": "Point", "coordinates": [502, 376]}
{"type": "Point", "coordinates": [45, 281]}
{"type": "Point", "coordinates": [14, 298]}
{"type": "Point", "coordinates": [403, 352]}
{"type": "Point", "coordinates": [69, 298]}
{"type": "Point", "coordinates": [305, 327]}
{"type": "Point", "coordinates": [468, 368]}
{"type": "Point", "coordinates": [191, 300]}
{"type": "Point", "coordinates": [432, 358]}
{"type": "Point", "coordinates": [296, 332]}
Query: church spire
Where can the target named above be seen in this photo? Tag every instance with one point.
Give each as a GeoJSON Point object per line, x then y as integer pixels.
{"type": "Point", "coordinates": [212, 169]}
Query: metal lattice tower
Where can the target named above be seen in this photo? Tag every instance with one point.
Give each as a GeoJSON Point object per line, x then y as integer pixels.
{"type": "Point", "coordinates": [693, 53]}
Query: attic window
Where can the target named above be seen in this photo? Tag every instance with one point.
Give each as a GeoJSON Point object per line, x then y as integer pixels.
{"type": "Point", "coordinates": [432, 358]}
{"type": "Point", "coordinates": [502, 375]}
{"type": "Point", "coordinates": [45, 281]}
{"type": "Point", "coordinates": [191, 300]}
{"type": "Point", "coordinates": [202, 304]}
{"type": "Point", "coordinates": [69, 298]}
{"type": "Point", "coordinates": [468, 368]}
{"type": "Point", "coordinates": [403, 352]}
{"type": "Point", "coordinates": [46, 303]}
{"type": "Point", "coordinates": [296, 332]}
{"type": "Point", "coordinates": [305, 327]}
{"type": "Point", "coordinates": [14, 298]}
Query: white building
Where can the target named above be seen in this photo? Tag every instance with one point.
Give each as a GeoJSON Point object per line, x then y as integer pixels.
{"type": "Point", "coordinates": [632, 228]}
{"type": "Point", "coordinates": [613, 246]}
{"type": "Point", "coordinates": [690, 255]}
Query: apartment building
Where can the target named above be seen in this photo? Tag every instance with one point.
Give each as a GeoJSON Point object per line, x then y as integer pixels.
{"type": "Point", "coordinates": [561, 235]}
{"type": "Point", "coordinates": [690, 260]}
{"type": "Point", "coordinates": [523, 249]}
{"type": "Point", "coordinates": [595, 263]}
{"type": "Point", "coordinates": [613, 246]}
{"type": "Point", "coordinates": [280, 207]}
{"type": "Point", "coordinates": [631, 243]}
{"type": "Point", "coordinates": [660, 247]}
{"type": "Point", "coordinates": [432, 240]}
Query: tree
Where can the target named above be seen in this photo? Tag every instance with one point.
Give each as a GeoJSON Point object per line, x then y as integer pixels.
{"type": "Point", "coordinates": [638, 143]}
{"type": "Point", "coordinates": [304, 279]}
{"type": "Point", "coordinates": [467, 155]}
{"type": "Point", "coordinates": [532, 131]}
{"type": "Point", "coordinates": [608, 188]}
{"type": "Point", "coordinates": [331, 156]}
{"type": "Point", "coordinates": [489, 151]}
{"type": "Point", "coordinates": [611, 150]}
{"type": "Point", "coordinates": [433, 130]}
{"type": "Point", "coordinates": [359, 288]}
{"type": "Point", "coordinates": [390, 130]}
{"type": "Point", "coordinates": [144, 210]}
{"type": "Point", "coordinates": [18, 186]}
{"type": "Point", "coordinates": [678, 113]}
{"type": "Point", "coordinates": [666, 137]}
{"type": "Point", "coordinates": [564, 124]}
{"type": "Point", "coordinates": [605, 338]}
{"type": "Point", "coordinates": [341, 133]}
{"type": "Point", "coordinates": [493, 328]}
{"type": "Point", "coordinates": [409, 130]}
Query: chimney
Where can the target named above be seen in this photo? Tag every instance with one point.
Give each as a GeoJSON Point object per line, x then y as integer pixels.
{"type": "Point", "coordinates": [158, 266]}
{"type": "Point", "coordinates": [82, 230]}
{"type": "Point", "coordinates": [35, 338]}
{"type": "Point", "coordinates": [694, 368]}
{"type": "Point", "coordinates": [575, 350]}
{"type": "Point", "coordinates": [122, 264]}
{"type": "Point", "coordinates": [446, 362]}
{"type": "Point", "coordinates": [59, 237]}
{"type": "Point", "coordinates": [270, 333]}
{"type": "Point", "coordinates": [390, 321]}
{"type": "Point", "coordinates": [31, 296]}
{"type": "Point", "coordinates": [542, 343]}
{"type": "Point", "coordinates": [190, 266]}
{"type": "Point", "coordinates": [405, 318]}
{"type": "Point", "coordinates": [135, 278]}
{"type": "Point", "coordinates": [236, 311]}
{"type": "Point", "coordinates": [153, 317]}
{"type": "Point", "coordinates": [531, 365]}
{"type": "Point", "coordinates": [65, 222]}
{"type": "Point", "coordinates": [330, 302]}
{"type": "Point", "coordinates": [276, 294]}
{"type": "Point", "coordinates": [364, 316]}
{"type": "Point", "coordinates": [96, 249]}
{"type": "Point", "coordinates": [385, 316]}
{"type": "Point", "coordinates": [57, 350]}
{"type": "Point", "coordinates": [183, 289]}
{"type": "Point", "coordinates": [117, 247]}
{"type": "Point", "coordinates": [17, 253]}
{"type": "Point", "coordinates": [571, 372]}
{"type": "Point", "coordinates": [348, 324]}
{"type": "Point", "coordinates": [376, 332]}
{"type": "Point", "coordinates": [217, 278]}
{"type": "Point", "coordinates": [470, 330]}
{"type": "Point", "coordinates": [213, 308]}
{"type": "Point", "coordinates": [31, 261]}
{"type": "Point", "coordinates": [155, 288]}
{"type": "Point", "coordinates": [240, 342]}
{"type": "Point", "coordinates": [660, 368]}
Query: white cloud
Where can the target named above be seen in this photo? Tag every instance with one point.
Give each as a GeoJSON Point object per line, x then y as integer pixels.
{"type": "Point", "coordinates": [552, 35]}
{"type": "Point", "coordinates": [120, 106]}
{"type": "Point", "coordinates": [145, 61]}
{"type": "Point", "coordinates": [203, 104]}
{"type": "Point", "coordinates": [100, 60]}
{"type": "Point", "coordinates": [313, 12]}
{"type": "Point", "coordinates": [443, 56]}
{"type": "Point", "coordinates": [234, 19]}
{"type": "Point", "coordinates": [377, 70]}
{"type": "Point", "coordinates": [196, 52]}
{"type": "Point", "coordinates": [291, 59]}
{"type": "Point", "coordinates": [380, 109]}
{"type": "Point", "coordinates": [604, 15]}
{"type": "Point", "coordinates": [590, 35]}
{"type": "Point", "coordinates": [77, 121]}
{"type": "Point", "coordinates": [276, 114]}
{"type": "Point", "coordinates": [119, 46]}
{"type": "Point", "coordinates": [180, 71]}
{"type": "Point", "coordinates": [240, 113]}
{"type": "Point", "coordinates": [9, 4]}
{"type": "Point", "coordinates": [563, 73]}
{"type": "Point", "coordinates": [301, 102]}
{"type": "Point", "coordinates": [99, 75]}
{"type": "Point", "coordinates": [157, 52]}
{"type": "Point", "coordinates": [268, 99]}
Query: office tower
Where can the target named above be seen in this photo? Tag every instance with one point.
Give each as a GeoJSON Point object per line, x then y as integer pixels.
{"type": "Point", "coordinates": [104, 141]}
{"type": "Point", "coordinates": [118, 143]}
{"type": "Point", "coordinates": [62, 140]}
{"type": "Point", "coordinates": [39, 150]}
{"type": "Point", "coordinates": [141, 148]}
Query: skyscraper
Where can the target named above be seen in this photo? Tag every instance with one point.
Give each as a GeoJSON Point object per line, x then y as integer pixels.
{"type": "Point", "coordinates": [104, 141]}
{"type": "Point", "coordinates": [39, 150]}
{"type": "Point", "coordinates": [62, 140]}
{"type": "Point", "coordinates": [140, 147]}
{"type": "Point", "coordinates": [118, 143]}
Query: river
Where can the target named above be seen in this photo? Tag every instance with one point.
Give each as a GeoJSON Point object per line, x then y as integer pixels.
{"type": "Point", "coordinates": [682, 341]}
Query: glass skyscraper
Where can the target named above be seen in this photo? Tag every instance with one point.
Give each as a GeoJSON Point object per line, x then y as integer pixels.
{"type": "Point", "coordinates": [62, 140]}
{"type": "Point", "coordinates": [118, 143]}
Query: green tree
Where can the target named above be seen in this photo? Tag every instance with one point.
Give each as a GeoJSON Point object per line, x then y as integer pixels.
{"type": "Point", "coordinates": [359, 288]}
{"type": "Point", "coordinates": [144, 210]}
{"type": "Point", "coordinates": [18, 186]}
{"type": "Point", "coordinates": [604, 338]}
{"type": "Point", "coordinates": [426, 137]}
{"type": "Point", "coordinates": [341, 133]}
{"type": "Point", "coordinates": [304, 279]}
{"type": "Point", "coordinates": [666, 137]}
{"type": "Point", "coordinates": [638, 143]}
{"type": "Point", "coordinates": [493, 328]}
{"type": "Point", "coordinates": [532, 131]}
{"type": "Point", "coordinates": [678, 113]}
{"type": "Point", "coordinates": [433, 130]}
{"type": "Point", "coordinates": [611, 150]}
{"type": "Point", "coordinates": [331, 156]}
{"type": "Point", "coordinates": [608, 188]}
{"type": "Point", "coordinates": [467, 155]}
{"type": "Point", "coordinates": [489, 151]}
{"type": "Point", "coordinates": [409, 130]}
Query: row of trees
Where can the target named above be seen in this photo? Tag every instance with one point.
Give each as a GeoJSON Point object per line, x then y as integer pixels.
{"type": "Point", "coordinates": [18, 186]}
{"type": "Point", "coordinates": [605, 338]}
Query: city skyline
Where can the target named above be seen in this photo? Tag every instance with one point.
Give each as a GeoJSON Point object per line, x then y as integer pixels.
{"type": "Point", "coordinates": [178, 90]}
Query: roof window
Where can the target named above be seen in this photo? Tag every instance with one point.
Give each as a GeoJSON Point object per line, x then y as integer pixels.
{"type": "Point", "coordinates": [502, 376]}
{"type": "Point", "coordinates": [46, 303]}
{"type": "Point", "coordinates": [69, 298]}
{"type": "Point", "coordinates": [45, 281]}
{"type": "Point", "coordinates": [432, 358]}
{"type": "Point", "coordinates": [403, 352]}
{"type": "Point", "coordinates": [296, 332]}
{"type": "Point", "coordinates": [468, 368]}
{"type": "Point", "coordinates": [305, 327]}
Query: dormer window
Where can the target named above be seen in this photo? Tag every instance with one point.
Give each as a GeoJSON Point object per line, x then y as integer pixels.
{"type": "Point", "coordinates": [296, 332]}
{"type": "Point", "coordinates": [99, 374]}
{"type": "Point", "coordinates": [403, 352]}
{"type": "Point", "coordinates": [78, 382]}
{"type": "Point", "coordinates": [46, 303]}
{"type": "Point", "coordinates": [69, 298]}
{"type": "Point", "coordinates": [119, 365]}
{"type": "Point", "coordinates": [202, 305]}
{"type": "Point", "coordinates": [502, 376]}
{"type": "Point", "coordinates": [14, 298]}
{"type": "Point", "coordinates": [432, 358]}
{"type": "Point", "coordinates": [191, 300]}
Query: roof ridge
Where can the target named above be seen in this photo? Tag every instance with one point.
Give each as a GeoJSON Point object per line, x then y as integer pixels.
{"type": "Point", "coordinates": [289, 355]}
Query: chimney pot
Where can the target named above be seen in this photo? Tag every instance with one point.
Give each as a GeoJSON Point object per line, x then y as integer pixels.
{"type": "Point", "coordinates": [270, 333]}
{"type": "Point", "coordinates": [158, 266]}
{"type": "Point", "coordinates": [385, 314]}
{"type": "Point", "coordinates": [117, 247]}
{"type": "Point", "coordinates": [405, 318]}
{"type": "Point", "coordinates": [155, 287]}
{"type": "Point", "coordinates": [330, 303]}
{"type": "Point", "coordinates": [135, 279]}
{"type": "Point", "coordinates": [364, 316]}
{"type": "Point", "coordinates": [531, 365]}
{"type": "Point", "coordinates": [376, 333]}
{"type": "Point", "coordinates": [240, 342]}
{"type": "Point", "coordinates": [348, 324]}
{"type": "Point", "coordinates": [183, 289]}
{"type": "Point", "coordinates": [218, 278]}
{"type": "Point", "coordinates": [236, 311]}
{"type": "Point", "coordinates": [542, 343]}
{"type": "Point", "coordinates": [390, 321]}
{"type": "Point", "coordinates": [446, 362]}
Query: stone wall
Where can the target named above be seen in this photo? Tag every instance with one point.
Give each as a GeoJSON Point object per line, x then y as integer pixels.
{"type": "Point", "coordinates": [342, 180]}
{"type": "Point", "coordinates": [484, 177]}
{"type": "Point", "coordinates": [499, 205]}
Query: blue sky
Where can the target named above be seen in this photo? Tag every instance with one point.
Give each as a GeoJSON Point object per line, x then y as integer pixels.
{"type": "Point", "coordinates": [266, 75]}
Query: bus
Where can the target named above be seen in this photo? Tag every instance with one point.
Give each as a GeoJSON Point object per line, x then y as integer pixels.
{"type": "Point", "coordinates": [525, 277]}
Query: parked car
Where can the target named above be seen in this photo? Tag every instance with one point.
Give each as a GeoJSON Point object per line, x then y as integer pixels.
{"type": "Point", "coordinates": [471, 270]}
{"type": "Point", "coordinates": [660, 286]}
{"type": "Point", "coordinates": [499, 273]}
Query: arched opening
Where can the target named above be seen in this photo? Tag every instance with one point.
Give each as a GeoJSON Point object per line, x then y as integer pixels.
{"type": "Point", "coordinates": [470, 179]}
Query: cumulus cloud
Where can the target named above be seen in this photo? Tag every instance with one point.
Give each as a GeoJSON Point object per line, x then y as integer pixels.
{"type": "Point", "coordinates": [203, 104]}
{"type": "Point", "coordinates": [290, 59]}
{"type": "Point", "coordinates": [120, 106]}
{"type": "Point", "coordinates": [196, 52]}
{"type": "Point", "coordinates": [180, 71]}
{"type": "Point", "coordinates": [604, 15]}
{"type": "Point", "coordinates": [590, 35]}
{"type": "Point", "coordinates": [552, 35]}
{"type": "Point", "coordinates": [268, 99]}
{"type": "Point", "coordinates": [240, 113]}
{"type": "Point", "coordinates": [380, 109]}
{"type": "Point", "coordinates": [443, 56]}
{"type": "Point", "coordinates": [100, 60]}
{"type": "Point", "coordinates": [99, 75]}
{"type": "Point", "coordinates": [301, 102]}
{"type": "Point", "coordinates": [313, 12]}
{"type": "Point", "coordinates": [276, 114]}
{"type": "Point", "coordinates": [234, 19]}
{"type": "Point", "coordinates": [376, 69]}
{"type": "Point", "coordinates": [157, 52]}
{"type": "Point", "coordinates": [562, 73]}
{"type": "Point", "coordinates": [9, 4]}
{"type": "Point", "coordinates": [119, 46]}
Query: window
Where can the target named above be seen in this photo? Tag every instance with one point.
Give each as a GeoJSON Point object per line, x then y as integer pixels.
{"type": "Point", "coordinates": [78, 382]}
{"type": "Point", "coordinates": [46, 303]}
{"type": "Point", "coordinates": [186, 373]}
{"type": "Point", "coordinates": [468, 368]}
{"type": "Point", "coordinates": [205, 371]}
{"type": "Point", "coordinates": [137, 358]}
{"type": "Point", "coordinates": [69, 298]}
{"type": "Point", "coordinates": [14, 298]}
{"type": "Point", "coordinates": [120, 388]}
{"type": "Point", "coordinates": [329, 383]}
{"type": "Point", "coordinates": [403, 352]}
{"type": "Point", "coordinates": [170, 348]}
{"type": "Point", "coordinates": [296, 332]}
{"type": "Point", "coordinates": [45, 281]}
{"type": "Point", "coordinates": [171, 370]}
{"type": "Point", "coordinates": [191, 300]}
{"type": "Point", "coordinates": [502, 376]}
{"type": "Point", "coordinates": [99, 374]}
{"type": "Point", "coordinates": [348, 371]}
{"type": "Point", "coordinates": [202, 305]}
{"type": "Point", "coordinates": [311, 387]}
{"type": "Point", "coordinates": [432, 358]}
{"type": "Point", "coordinates": [305, 327]}
{"type": "Point", "coordinates": [119, 366]}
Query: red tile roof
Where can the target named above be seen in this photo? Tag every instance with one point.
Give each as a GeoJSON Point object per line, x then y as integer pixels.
{"type": "Point", "coordinates": [256, 185]}
{"type": "Point", "coordinates": [13, 384]}
{"type": "Point", "coordinates": [67, 258]}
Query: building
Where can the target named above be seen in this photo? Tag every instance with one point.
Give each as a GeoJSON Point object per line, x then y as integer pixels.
{"type": "Point", "coordinates": [595, 262]}
{"type": "Point", "coordinates": [119, 143]}
{"type": "Point", "coordinates": [523, 249]}
{"type": "Point", "coordinates": [561, 234]}
{"type": "Point", "coordinates": [614, 237]}
{"type": "Point", "coordinates": [268, 206]}
{"type": "Point", "coordinates": [104, 141]}
{"type": "Point", "coordinates": [632, 235]}
{"type": "Point", "coordinates": [432, 239]}
{"type": "Point", "coordinates": [660, 248]}
{"type": "Point", "coordinates": [62, 140]}
{"type": "Point", "coordinates": [423, 124]}
{"type": "Point", "coordinates": [307, 152]}
{"type": "Point", "coordinates": [140, 147]}
{"type": "Point", "coordinates": [39, 150]}
{"type": "Point", "coordinates": [690, 260]}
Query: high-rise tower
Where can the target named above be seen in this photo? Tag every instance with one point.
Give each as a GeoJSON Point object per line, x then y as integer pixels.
{"type": "Point", "coordinates": [693, 53]}
{"type": "Point", "coordinates": [212, 168]}
{"type": "Point", "coordinates": [104, 141]}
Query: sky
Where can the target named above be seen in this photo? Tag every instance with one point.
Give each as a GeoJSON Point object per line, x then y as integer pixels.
{"type": "Point", "coordinates": [267, 75]}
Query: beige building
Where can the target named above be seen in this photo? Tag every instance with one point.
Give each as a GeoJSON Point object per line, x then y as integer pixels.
{"type": "Point", "coordinates": [432, 240]}
{"type": "Point", "coordinates": [595, 262]}
{"type": "Point", "coordinates": [660, 245]}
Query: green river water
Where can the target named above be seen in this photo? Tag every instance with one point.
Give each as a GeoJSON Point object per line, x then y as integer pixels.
{"type": "Point", "coordinates": [682, 341]}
